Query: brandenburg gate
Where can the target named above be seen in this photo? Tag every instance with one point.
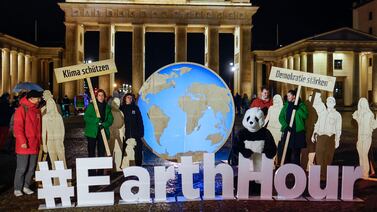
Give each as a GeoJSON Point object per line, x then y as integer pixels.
{"type": "Point", "coordinates": [180, 17]}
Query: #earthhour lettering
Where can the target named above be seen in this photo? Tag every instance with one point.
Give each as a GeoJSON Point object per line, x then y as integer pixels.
{"type": "Point", "coordinates": [84, 71]}
{"type": "Point", "coordinates": [302, 78]}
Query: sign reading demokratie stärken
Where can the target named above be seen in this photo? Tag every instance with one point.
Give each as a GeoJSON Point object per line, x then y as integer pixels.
{"type": "Point", "coordinates": [305, 79]}
{"type": "Point", "coordinates": [83, 71]}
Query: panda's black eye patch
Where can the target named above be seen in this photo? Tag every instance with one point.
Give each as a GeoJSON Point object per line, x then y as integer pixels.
{"type": "Point", "coordinates": [256, 119]}
{"type": "Point", "coordinates": [248, 118]}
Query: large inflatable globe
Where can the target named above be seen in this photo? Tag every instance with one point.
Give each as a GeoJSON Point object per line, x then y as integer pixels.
{"type": "Point", "coordinates": [187, 109]}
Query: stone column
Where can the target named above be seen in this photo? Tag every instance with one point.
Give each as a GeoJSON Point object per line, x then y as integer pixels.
{"type": "Point", "coordinates": [268, 70]}
{"type": "Point", "coordinates": [21, 67]}
{"type": "Point", "coordinates": [34, 69]}
{"type": "Point", "coordinates": [259, 77]}
{"type": "Point", "coordinates": [330, 68]}
{"type": "Point", "coordinates": [246, 74]}
{"type": "Point", "coordinates": [79, 56]}
{"type": "Point", "coordinates": [374, 79]}
{"type": "Point", "coordinates": [304, 90]}
{"type": "Point", "coordinates": [13, 68]}
{"type": "Point", "coordinates": [27, 68]}
{"type": "Point", "coordinates": [309, 62]}
{"type": "Point", "coordinates": [104, 53]}
{"type": "Point", "coordinates": [46, 73]}
{"type": "Point", "coordinates": [180, 43]}
{"type": "Point", "coordinates": [296, 62]}
{"type": "Point", "coordinates": [138, 57]}
{"type": "Point", "coordinates": [5, 70]}
{"type": "Point", "coordinates": [211, 48]}
{"type": "Point", "coordinates": [356, 78]}
{"type": "Point", "coordinates": [71, 43]}
{"type": "Point", "coordinates": [236, 62]}
{"type": "Point", "coordinates": [279, 87]}
{"type": "Point", "coordinates": [112, 55]}
{"type": "Point", "coordinates": [55, 85]}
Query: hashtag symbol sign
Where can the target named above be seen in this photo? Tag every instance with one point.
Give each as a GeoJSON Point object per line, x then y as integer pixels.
{"type": "Point", "coordinates": [50, 191]}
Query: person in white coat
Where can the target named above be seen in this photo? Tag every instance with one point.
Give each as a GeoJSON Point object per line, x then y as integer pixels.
{"type": "Point", "coordinates": [366, 124]}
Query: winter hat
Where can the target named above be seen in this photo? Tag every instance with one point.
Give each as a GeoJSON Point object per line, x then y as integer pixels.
{"type": "Point", "coordinates": [33, 93]}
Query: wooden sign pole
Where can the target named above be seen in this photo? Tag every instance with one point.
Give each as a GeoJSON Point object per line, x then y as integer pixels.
{"type": "Point", "coordinates": [290, 125]}
{"type": "Point", "coordinates": [105, 143]}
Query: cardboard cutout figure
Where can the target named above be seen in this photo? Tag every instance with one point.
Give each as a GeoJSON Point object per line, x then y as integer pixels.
{"type": "Point", "coordinates": [254, 139]}
{"type": "Point", "coordinates": [308, 153]}
{"type": "Point", "coordinates": [327, 133]}
{"type": "Point", "coordinates": [272, 118]}
{"type": "Point", "coordinates": [42, 156]}
{"type": "Point", "coordinates": [130, 153]}
{"type": "Point", "coordinates": [366, 124]}
{"type": "Point", "coordinates": [116, 134]}
{"type": "Point", "coordinates": [53, 133]}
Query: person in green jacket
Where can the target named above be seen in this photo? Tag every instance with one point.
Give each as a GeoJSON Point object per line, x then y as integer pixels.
{"type": "Point", "coordinates": [297, 139]}
{"type": "Point", "coordinates": [93, 125]}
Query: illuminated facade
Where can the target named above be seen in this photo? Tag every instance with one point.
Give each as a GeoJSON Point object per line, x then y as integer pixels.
{"type": "Point", "coordinates": [345, 53]}
{"type": "Point", "coordinates": [140, 16]}
{"type": "Point", "coordinates": [24, 62]}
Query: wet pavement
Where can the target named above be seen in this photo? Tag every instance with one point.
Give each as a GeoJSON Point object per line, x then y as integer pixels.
{"type": "Point", "coordinates": [75, 145]}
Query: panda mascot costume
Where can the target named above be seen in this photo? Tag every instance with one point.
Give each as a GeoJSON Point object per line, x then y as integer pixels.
{"type": "Point", "coordinates": [253, 140]}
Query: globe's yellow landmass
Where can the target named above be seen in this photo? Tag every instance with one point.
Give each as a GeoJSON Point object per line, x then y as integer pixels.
{"type": "Point", "coordinates": [156, 83]}
{"type": "Point", "coordinates": [204, 96]}
{"type": "Point", "coordinates": [159, 120]}
{"type": "Point", "coordinates": [215, 138]}
{"type": "Point", "coordinates": [194, 110]}
{"type": "Point", "coordinates": [215, 96]}
{"type": "Point", "coordinates": [183, 70]}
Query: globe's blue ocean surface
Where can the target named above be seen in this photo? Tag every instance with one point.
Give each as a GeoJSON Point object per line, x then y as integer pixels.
{"type": "Point", "coordinates": [187, 109]}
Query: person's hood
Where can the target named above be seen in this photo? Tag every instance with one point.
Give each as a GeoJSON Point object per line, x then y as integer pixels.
{"type": "Point", "coordinates": [26, 102]}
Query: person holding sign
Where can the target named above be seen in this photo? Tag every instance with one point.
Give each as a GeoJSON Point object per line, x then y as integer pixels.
{"type": "Point", "coordinates": [134, 126]}
{"type": "Point", "coordinates": [93, 125]}
{"type": "Point", "coordinates": [327, 133]}
{"type": "Point", "coordinates": [297, 138]}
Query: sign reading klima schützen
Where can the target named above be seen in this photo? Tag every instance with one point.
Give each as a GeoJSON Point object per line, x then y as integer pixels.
{"type": "Point", "coordinates": [83, 71]}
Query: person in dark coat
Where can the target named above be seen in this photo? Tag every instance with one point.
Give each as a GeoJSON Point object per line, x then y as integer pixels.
{"type": "Point", "coordinates": [134, 127]}
{"type": "Point", "coordinates": [66, 103]}
{"type": "Point", "coordinates": [6, 112]}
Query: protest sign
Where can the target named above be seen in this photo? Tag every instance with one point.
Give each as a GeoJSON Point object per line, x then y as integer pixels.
{"type": "Point", "coordinates": [300, 78]}
{"type": "Point", "coordinates": [85, 71]}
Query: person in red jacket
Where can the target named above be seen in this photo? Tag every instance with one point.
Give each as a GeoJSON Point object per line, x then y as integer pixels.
{"type": "Point", "coordinates": [263, 102]}
{"type": "Point", "coordinates": [27, 130]}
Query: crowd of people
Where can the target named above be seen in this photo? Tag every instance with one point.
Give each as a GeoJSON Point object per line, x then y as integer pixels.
{"type": "Point", "coordinates": [315, 128]}
{"type": "Point", "coordinates": [21, 130]}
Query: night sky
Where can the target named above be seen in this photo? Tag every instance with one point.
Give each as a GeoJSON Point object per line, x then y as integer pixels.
{"type": "Point", "coordinates": [296, 19]}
